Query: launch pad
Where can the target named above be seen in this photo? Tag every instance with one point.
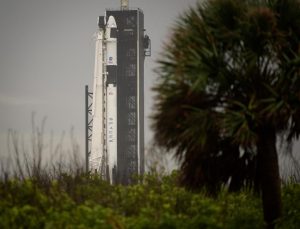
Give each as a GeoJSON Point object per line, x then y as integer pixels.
{"type": "Point", "coordinates": [115, 108]}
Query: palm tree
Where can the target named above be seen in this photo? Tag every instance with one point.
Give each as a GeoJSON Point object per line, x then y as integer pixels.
{"type": "Point", "coordinates": [228, 89]}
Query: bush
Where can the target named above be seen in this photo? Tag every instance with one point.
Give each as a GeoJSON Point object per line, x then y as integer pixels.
{"type": "Point", "coordinates": [84, 201]}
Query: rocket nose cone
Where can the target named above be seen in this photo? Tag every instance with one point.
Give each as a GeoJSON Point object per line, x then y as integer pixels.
{"type": "Point", "coordinates": [111, 22]}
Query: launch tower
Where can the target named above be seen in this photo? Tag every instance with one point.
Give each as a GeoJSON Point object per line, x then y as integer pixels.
{"type": "Point", "coordinates": [115, 114]}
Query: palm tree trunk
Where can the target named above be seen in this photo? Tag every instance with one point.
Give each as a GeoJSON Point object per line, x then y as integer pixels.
{"type": "Point", "coordinates": [268, 172]}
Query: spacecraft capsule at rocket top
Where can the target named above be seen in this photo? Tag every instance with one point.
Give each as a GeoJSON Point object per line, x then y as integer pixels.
{"type": "Point", "coordinates": [111, 23]}
{"type": "Point", "coordinates": [111, 41]}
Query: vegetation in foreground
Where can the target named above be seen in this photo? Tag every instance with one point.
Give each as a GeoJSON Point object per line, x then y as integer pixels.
{"type": "Point", "coordinates": [82, 201]}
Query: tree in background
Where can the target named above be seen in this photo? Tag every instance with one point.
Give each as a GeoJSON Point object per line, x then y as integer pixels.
{"type": "Point", "coordinates": [228, 89]}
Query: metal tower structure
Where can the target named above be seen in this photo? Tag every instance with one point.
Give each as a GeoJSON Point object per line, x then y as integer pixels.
{"type": "Point", "coordinates": [115, 145]}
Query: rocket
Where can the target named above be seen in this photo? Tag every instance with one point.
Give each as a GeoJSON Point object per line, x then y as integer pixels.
{"type": "Point", "coordinates": [103, 158]}
{"type": "Point", "coordinates": [114, 130]}
{"type": "Point", "coordinates": [111, 95]}
{"type": "Point", "coordinates": [97, 157]}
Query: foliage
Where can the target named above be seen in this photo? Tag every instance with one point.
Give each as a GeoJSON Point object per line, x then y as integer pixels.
{"type": "Point", "coordinates": [229, 71]}
{"type": "Point", "coordinates": [156, 202]}
{"type": "Point", "coordinates": [228, 89]}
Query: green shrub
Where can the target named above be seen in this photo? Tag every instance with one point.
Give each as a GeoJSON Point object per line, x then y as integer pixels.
{"type": "Point", "coordinates": [155, 202]}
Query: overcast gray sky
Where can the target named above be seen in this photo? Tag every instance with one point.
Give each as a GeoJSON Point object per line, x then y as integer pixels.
{"type": "Point", "coordinates": [47, 56]}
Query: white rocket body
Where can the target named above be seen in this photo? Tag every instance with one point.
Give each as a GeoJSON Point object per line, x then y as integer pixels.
{"type": "Point", "coordinates": [97, 154]}
{"type": "Point", "coordinates": [111, 93]}
{"type": "Point", "coordinates": [103, 157]}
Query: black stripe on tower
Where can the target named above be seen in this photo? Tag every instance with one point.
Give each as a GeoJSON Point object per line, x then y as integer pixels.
{"type": "Point", "coordinates": [113, 33]}
{"type": "Point", "coordinates": [101, 24]}
{"type": "Point", "coordinates": [112, 74]}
